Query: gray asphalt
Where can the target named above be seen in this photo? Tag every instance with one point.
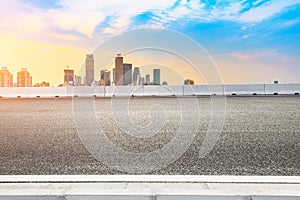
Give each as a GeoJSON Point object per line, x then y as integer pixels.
{"type": "Point", "coordinates": [260, 136]}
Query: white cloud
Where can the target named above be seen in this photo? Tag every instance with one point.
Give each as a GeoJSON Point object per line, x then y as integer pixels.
{"type": "Point", "coordinates": [267, 10]}
{"type": "Point", "coordinates": [84, 16]}
{"type": "Point", "coordinates": [80, 18]}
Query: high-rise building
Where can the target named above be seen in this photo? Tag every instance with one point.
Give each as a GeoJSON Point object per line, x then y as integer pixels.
{"type": "Point", "coordinates": [68, 77]}
{"type": "Point", "coordinates": [23, 78]}
{"type": "Point", "coordinates": [6, 78]}
{"type": "Point", "coordinates": [142, 81]}
{"type": "Point", "coordinates": [156, 76]}
{"type": "Point", "coordinates": [136, 75]}
{"type": "Point", "coordinates": [127, 74]}
{"type": "Point", "coordinates": [78, 80]}
{"type": "Point", "coordinates": [147, 79]}
{"type": "Point", "coordinates": [89, 69]}
{"type": "Point", "coordinates": [105, 78]}
{"type": "Point", "coordinates": [119, 70]}
{"type": "Point", "coordinates": [114, 75]}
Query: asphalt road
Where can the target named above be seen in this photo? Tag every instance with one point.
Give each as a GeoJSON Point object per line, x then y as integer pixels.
{"type": "Point", "coordinates": [260, 135]}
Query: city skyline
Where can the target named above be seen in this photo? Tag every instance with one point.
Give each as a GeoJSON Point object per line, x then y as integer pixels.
{"type": "Point", "coordinates": [252, 41]}
{"type": "Point", "coordinates": [128, 76]}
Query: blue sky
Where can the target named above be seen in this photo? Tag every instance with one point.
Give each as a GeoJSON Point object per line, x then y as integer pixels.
{"type": "Point", "coordinates": [260, 33]}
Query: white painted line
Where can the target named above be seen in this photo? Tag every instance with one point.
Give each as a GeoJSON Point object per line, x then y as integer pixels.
{"type": "Point", "coordinates": [149, 178]}
{"type": "Point", "coordinates": [149, 189]}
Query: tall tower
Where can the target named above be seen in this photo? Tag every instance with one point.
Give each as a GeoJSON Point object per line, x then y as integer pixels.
{"type": "Point", "coordinates": [6, 78]}
{"type": "Point", "coordinates": [69, 77]}
{"type": "Point", "coordinates": [23, 78]}
{"type": "Point", "coordinates": [136, 75]}
{"type": "Point", "coordinates": [104, 78]}
{"type": "Point", "coordinates": [114, 76]}
{"type": "Point", "coordinates": [127, 74]}
{"type": "Point", "coordinates": [147, 79]}
{"type": "Point", "coordinates": [156, 76]}
{"type": "Point", "coordinates": [89, 69]}
{"type": "Point", "coordinates": [119, 70]}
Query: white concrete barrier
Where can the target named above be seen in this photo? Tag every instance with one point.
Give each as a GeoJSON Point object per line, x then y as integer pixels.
{"type": "Point", "coordinates": [14, 92]}
{"type": "Point", "coordinates": [208, 90]}
{"type": "Point", "coordinates": [282, 89]}
{"type": "Point", "coordinates": [255, 89]}
{"type": "Point", "coordinates": [82, 91]}
{"type": "Point", "coordinates": [157, 90]}
{"type": "Point", "coordinates": [124, 91]}
{"type": "Point", "coordinates": [151, 90]}
{"type": "Point", "coordinates": [46, 92]}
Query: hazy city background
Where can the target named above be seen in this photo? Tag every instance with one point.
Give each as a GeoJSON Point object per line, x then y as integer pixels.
{"type": "Point", "coordinates": [250, 41]}
{"type": "Point", "coordinates": [121, 74]}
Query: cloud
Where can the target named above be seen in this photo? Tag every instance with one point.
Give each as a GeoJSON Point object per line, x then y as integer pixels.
{"type": "Point", "coordinates": [81, 20]}
{"type": "Point", "coordinates": [266, 10]}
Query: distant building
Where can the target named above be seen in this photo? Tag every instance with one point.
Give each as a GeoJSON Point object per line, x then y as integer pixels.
{"type": "Point", "coordinates": [136, 75]}
{"type": "Point", "coordinates": [156, 76]}
{"type": "Point", "coordinates": [23, 78]}
{"type": "Point", "coordinates": [89, 69]}
{"type": "Point", "coordinates": [189, 82]}
{"type": "Point", "coordinates": [95, 83]}
{"type": "Point", "coordinates": [42, 84]}
{"type": "Point", "coordinates": [6, 78]}
{"type": "Point", "coordinates": [119, 70]}
{"type": "Point", "coordinates": [68, 77]}
{"type": "Point", "coordinates": [142, 81]}
{"type": "Point", "coordinates": [114, 75]}
{"type": "Point", "coordinates": [276, 82]}
{"type": "Point", "coordinates": [104, 78]}
{"type": "Point", "coordinates": [147, 82]}
{"type": "Point", "coordinates": [78, 80]}
{"type": "Point", "coordinates": [165, 83]}
{"type": "Point", "coordinates": [127, 74]}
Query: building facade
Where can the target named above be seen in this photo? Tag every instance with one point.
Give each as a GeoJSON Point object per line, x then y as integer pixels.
{"type": "Point", "coordinates": [114, 76]}
{"type": "Point", "coordinates": [156, 76]}
{"type": "Point", "coordinates": [105, 78]}
{"type": "Point", "coordinates": [78, 80]}
{"type": "Point", "coordinates": [69, 77]}
{"type": "Point", "coordinates": [127, 74]}
{"type": "Point", "coordinates": [6, 78]}
{"type": "Point", "coordinates": [89, 69]}
{"type": "Point", "coordinates": [119, 70]}
{"type": "Point", "coordinates": [136, 75]}
{"type": "Point", "coordinates": [147, 81]}
{"type": "Point", "coordinates": [23, 78]}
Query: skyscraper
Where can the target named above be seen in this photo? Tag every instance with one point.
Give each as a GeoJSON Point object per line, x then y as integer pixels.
{"type": "Point", "coordinates": [78, 80]}
{"type": "Point", "coordinates": [119, 70]}
{"type": "Point", "coordinates": [23, 78]}
{"type": "Point", "coordinates": [114, 75]}
{"type": "Point", "coordinates": [156, 76]}
{"type": "Point", "coordinates": [147, 79]}
{"type": "Point", "coordinates": [105, 78]}
{"type": "Point", "coordinates": [142, 81]}
{"type": "Point", "coordinates": [127, 74]}
{"type": "Point", "coordinates": [6, 78]}
{"type": "Point", "coordinates": [89, 69]}
{"type": "Point", "coordinates": [136, 75]}
{"type": "Point", "coordinates": [68, 77]}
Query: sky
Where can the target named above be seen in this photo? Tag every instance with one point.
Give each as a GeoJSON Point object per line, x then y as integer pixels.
{"type": "Point", "coordinates": [249, 41]}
